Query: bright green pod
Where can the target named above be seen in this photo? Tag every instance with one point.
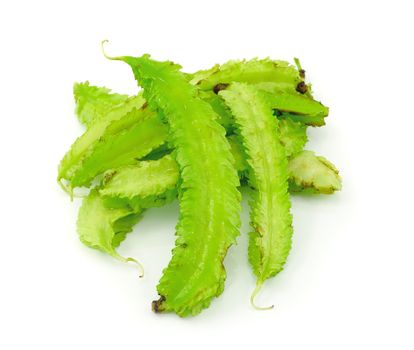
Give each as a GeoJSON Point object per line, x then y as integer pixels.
{"type": "Point", "coordinates": [110, 211]}
{"type": "Point", "coordinates": [222, 111]}
{"type": "Point", "coordinates": [270, 215]}
{"type": "Point", "coordinates": [146, 178]}
{"type": "Point", "coordinates": [292, 135]}
{"type": "Point", "coordinates": [252, 72]}
{"type": "Point", "coordinates": [120, 149]}
{"type": "Point", "coordinates": [93, 102]}
{"type": "Point", "coordinates": [303, 119]}
{"type": "Point", "coordinates": [310, 112]}
{"type": "Point", "coordinates": [209, 198]}
{"type": "Point", "coordinates": [146, 184]}
{"type": "Point", "coordinates": [104, 228]}
{"type": "Point", "coordinates": [72, 160]}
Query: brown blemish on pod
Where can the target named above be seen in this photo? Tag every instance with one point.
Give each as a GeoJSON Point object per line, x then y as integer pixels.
{"type": "Point", "coordinates": [220, 86]}
{"type": "Point", "coordinates": [302, 87]}
{"type": "Point", "coordinates": [108, 176]}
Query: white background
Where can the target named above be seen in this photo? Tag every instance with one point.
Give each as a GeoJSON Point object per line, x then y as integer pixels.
{"type": "Point", "coordinates": [349, 281]}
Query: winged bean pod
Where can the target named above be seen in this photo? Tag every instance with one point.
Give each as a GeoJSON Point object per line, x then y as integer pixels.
{"type": "Point", "coordinates": [270, 215]}
{"type": "Point", "coordinates": [205, 230]}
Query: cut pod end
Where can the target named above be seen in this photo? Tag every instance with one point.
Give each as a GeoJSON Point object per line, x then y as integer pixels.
{"type": "Point", "coordinates": [158, 305]}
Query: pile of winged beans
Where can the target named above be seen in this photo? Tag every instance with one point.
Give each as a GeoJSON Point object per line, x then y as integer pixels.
{"type": "Point", "coordinates": [198, 137]}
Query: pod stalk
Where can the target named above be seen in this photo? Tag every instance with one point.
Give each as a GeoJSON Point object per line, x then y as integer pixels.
{"type": "Point", "coordinates": [253, 296]}
{"type": "Point", "coordinates": [113, 58]}
{"type": "Point", "coordinates": [138, 264]}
